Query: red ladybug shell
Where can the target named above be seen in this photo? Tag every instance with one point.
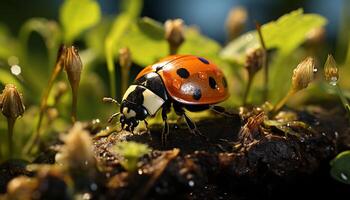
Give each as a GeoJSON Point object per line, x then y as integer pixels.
{"type": "Point", "coordinates": [190, 79]}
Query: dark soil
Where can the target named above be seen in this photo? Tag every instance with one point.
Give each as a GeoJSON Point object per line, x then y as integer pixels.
{"type": "Point", "coordinates": [240, 157]}
{"type": "Point", "coordinates": [260, 162]}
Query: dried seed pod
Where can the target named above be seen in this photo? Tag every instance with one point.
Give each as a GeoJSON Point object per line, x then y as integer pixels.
{"type": "Point", "coordinates": [73, 66]}
{"type": "Point", "coordinates": [12, 107]}
{"type": "Point", "coordinates": [235, 22]}
{"type": "Point", "coordinates": [254, 60]}
{"type": "Point", "coordinates": [331, 70]}
{"type": "Point", "coordinates": [303, 74]}
{"type": "Point", "coordinates": [11, 102]}
{"type": "Point", "coordinates": [316, 36]}
{"type": "Point", "coordinates": [174, 33]}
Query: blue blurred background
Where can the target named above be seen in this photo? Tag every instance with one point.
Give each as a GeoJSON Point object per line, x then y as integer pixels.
{"type": "Point", "coordinates": [209, 15]}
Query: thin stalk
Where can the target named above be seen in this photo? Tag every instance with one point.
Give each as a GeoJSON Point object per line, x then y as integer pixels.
{"type": "Point", "coordinates": [111, 72]}
{"type": "Point", "coordinates": [249, 84]}
{"type": "Point", "coordinates": [10, 126]}
{"type": "Point", "coordinates": [43, 104]}
{"type": "Point", "coordinates": [283, 101]}
{"type": "Point", "coordinates": [74, 104]}
{"type": "Point", "coordinates": [343, 99]}
{"type": "Point", "coordinates": [125, 78]}
{"type": "Point", "coordinates": [173, 50]}
{"type": "Point", "coordinates": [265, 63]}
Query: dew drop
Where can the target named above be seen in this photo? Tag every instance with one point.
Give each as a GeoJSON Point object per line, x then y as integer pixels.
{"type": "Point", "coordinates": [16, 70]}
{"type": "Point", "coordinates": [343, 176]}
{"type": "Point", "coordinates": [191, 183]}
{"type": "Point", "coordinates": [333, 81]}
{"type": "Point", "coordinates": [93, 186]}
{"type": "Point", "coordinates": [315, 70]}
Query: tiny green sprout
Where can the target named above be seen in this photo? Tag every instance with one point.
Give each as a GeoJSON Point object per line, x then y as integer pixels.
{"type": "Point", "coordinates": [303, 74]}
{"type": "Point", "coordinates": [131, 152]}
{"type": "Point", "coordinates": [331, 74]}
{"type": "Point", "coordinates": [11, 104]}
{"type": "Point", "coordinates": [341, 167]}
{"type": "Point", "coordinates": [235, 22]}
{"type": "Point", "coordinates": [174, 34]}
{"type": "Point", "coordinates": [254, 62]}
{"type": "Point", "coordinates": [125, 64]}
{"type": "Point", "coordinates": [265, 65]}
{"type": "Point", "coordinates": [73, 66]}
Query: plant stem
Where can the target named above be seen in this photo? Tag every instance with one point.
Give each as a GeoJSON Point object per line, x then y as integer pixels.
{"type": "Point", "coordinates": [343, 99]}
{"type": "Point", "coordinates": [43, 104]}
{"type": "Point", "coordinates": [125, 78]}
{"type": "Point", "coordinates": [246, 93]}
{"type": "Point", "coordinates": [10, 125]}
{"type": "Point", "coordinates": [265, 63]}
{"type": "Point", "coordinates": [281, 103]}
{"type": "Point", "coordinates": [172, 50]}
{"type": "Point", "coordinates": [74, 104]}
{"type": "Point", "coordinates": [111, 72]}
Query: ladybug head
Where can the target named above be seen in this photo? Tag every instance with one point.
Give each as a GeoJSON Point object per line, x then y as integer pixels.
{"type": "Point", "coordinates": [131, 114]}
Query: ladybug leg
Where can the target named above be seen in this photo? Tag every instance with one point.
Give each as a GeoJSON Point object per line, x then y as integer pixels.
{"type": "Point", "coordinates": [165, 132]}
{"type": "Point", "coordinates": [110, 119]}
{"type": "Point", "coordinates": [147, 129]}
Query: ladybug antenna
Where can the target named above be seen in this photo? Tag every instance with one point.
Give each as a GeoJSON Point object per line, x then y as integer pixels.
{"type": "Point", "coordinates": [110, 100]}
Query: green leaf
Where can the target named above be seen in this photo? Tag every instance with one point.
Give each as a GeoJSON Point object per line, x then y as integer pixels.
{"type": "Point", "coordinates": [77, 16]}
{"type": "Point", "coordinates": [286, 34]}
{"type": "Point", "coordinates": [146, 41]}
{"type": "Point", "coordinates": [198, 44]}
{"type": "Point", "coordinates": [341, 167]}
{"type": "Point", "coordinates": [121, 24]}
{"type": "Point", "coordinates": [6, 78]}
{"type": "Point", "coordinates": [8, 45]}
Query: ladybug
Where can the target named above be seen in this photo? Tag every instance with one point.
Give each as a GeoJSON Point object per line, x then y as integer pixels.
{"type": "Point", "coordinates": [185, 82]}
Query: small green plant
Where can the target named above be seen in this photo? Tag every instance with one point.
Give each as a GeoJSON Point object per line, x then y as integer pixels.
{"type": "Point", "coordinates": [131, 152]}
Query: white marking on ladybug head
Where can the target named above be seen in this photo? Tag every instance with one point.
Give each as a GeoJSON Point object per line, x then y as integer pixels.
{"type": "Point", "coordinates": [128, 113]}
{"type": "Point", "coordinates": [129, 90]}
{"type": "Point", "coordinates": [152, 102]}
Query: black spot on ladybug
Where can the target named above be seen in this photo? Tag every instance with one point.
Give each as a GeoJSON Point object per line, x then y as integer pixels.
{"type": "Point", "coordinates": [197, 94]}
{"type": "Point", "coordinates": [212, 83]}
{"type": "Point", "coordinates": [203, 60]}
{"type": "Point", "coordinates": [183, 73]}
{"type": "Point", "coordinates": [224, 82]}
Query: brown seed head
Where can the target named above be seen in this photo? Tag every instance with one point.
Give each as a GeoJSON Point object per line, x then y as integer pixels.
{"type": "Point", "coordinates": [316, 36]}
{"type": "Point", "coordinates": [303, 74]}
{"type": "Point", "coordinates": [235, 21]}
{"type": "Point", "coordinates": [72, 65]}
{"type": "Point", "coordinates": [174, 32]}
{"type": "Point", "coordinates": [331, 70]}
{"type": "Point", "coordinates": [125, 58]}
{"type": "Point", "coordinates": [254, 60]}
{"type": "Point", "coordinates": [11, 102]}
